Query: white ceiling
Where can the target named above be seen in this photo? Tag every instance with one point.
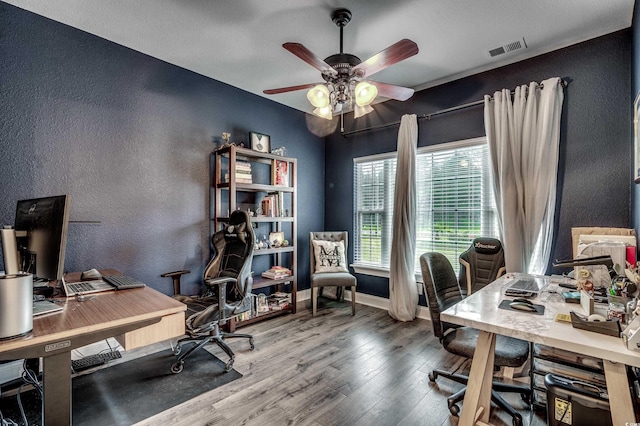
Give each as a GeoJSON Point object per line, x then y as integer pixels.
{"type": "Point", "coordinates": [240, 42]}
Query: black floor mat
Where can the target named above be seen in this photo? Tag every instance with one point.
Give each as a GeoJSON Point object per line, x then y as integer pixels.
{"type": "Point", "coordinates": [132, 391]}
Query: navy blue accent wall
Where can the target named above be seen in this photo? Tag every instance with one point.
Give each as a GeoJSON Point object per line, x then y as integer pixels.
{"type": "Point", "coordinates": [129, 137]}
{"type": "Point", "coordinates": [635, 89]}
{"type": "Point", "coordinates": [594, 172]}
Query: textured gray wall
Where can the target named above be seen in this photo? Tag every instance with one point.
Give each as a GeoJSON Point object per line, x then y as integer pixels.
{"type": "Point", "coordinates": [129, 137]}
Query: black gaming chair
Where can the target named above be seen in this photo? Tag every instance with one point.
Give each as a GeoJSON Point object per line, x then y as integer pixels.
{"type": "Point", "coordinates": [481, 264]}
{"type": "Point", "coordinates": [442, 291]}
{"type": "Point", "coordinates": [225, 294]}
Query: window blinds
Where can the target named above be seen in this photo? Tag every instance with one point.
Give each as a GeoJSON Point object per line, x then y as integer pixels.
{"type": "Point", "coordinates": [455, 202]}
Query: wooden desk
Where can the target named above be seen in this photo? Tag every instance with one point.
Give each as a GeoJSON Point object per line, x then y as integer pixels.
{"type": "Point", "coordinates": [137, 316]}
{"type": "Point", "coordinates": [480, 311]}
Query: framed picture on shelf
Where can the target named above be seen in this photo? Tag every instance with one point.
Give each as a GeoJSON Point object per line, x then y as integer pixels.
{"type": "Point", "coordinates": [276, 238]}
{"type": "Point", "coordinates": [281, 173]}
{"type": "Point", "coordinates": [260, 142]}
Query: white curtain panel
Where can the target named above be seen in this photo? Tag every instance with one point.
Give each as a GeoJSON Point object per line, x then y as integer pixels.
{"type": "Point", "coordinates": [403, 291]}
{"type": "Point", "coordinates": [524, 139]}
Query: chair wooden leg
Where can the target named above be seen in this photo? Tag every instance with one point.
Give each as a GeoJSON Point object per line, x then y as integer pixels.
{"type": "Point", "coordinates": [353, 300]}
{"type": "Point", "coordinates": [314, 299]}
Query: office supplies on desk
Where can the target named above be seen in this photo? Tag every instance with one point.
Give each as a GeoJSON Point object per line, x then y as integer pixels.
{"type": "Point", "coordinates": [86, 287]}
{"type": "Point", "coordinates": [609, 327]}
{"type": "Point", "coordinates": [107, 283]}
{"type": "Point", "coordinates": [16, 305]}
{"type": "Point", "coordinates": [518, 306]}
{"type": "Point", "coordinates": [631, 336]}
{"type": "Point", "coordinates": [122, 282]}
{"type": "Point", "coordinates": [42, 307]}
{"type": "Point", "coordinates": [528, 284]}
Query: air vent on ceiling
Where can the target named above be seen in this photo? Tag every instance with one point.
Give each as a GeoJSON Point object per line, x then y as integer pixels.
{"type": "Point", "coordinates": [509, 47]}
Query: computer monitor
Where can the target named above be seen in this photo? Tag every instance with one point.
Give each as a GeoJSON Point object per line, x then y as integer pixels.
{"type": "Point", "coordinates": [41, 233]}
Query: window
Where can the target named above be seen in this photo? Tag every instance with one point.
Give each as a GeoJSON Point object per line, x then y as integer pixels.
{"type": "Point", "coordinates": [454, 202]}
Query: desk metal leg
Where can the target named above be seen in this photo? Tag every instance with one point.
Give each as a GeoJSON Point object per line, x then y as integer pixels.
{"type": "Point", "coordinates": [478, 395]}
{"type": "Point", "coordinates": [56, 380]}
{"type": "Point", "coordinates": [619, 394]}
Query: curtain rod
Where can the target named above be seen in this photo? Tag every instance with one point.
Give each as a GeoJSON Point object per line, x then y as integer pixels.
{"type": "Point", "coordinates": [563, 83]}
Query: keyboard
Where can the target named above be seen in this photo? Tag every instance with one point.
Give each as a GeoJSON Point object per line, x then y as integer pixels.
{"type": "Point", "coordinates": [94, 360]}
{"type": "Point", "coordinates": [531, 285]}
{"type": "Point", "coordinates": [122, 282]}
{"type": "Point", "coordinates": [86, 287]}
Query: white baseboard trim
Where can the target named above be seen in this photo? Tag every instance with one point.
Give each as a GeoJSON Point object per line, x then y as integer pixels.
{"type": "Point", "coordinates": [368, 300]}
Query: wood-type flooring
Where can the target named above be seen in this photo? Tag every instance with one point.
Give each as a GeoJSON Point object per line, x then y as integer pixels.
{"type": "Point", "coordinates": [331, 370]}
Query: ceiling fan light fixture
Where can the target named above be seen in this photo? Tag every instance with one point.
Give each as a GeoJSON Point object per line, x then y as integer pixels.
{"type": "Point", "coordinates": [365, 93]}
{"type": "Point", "coordinates": [324, 112]}
{"type": "Point", "coordinates": [319, 96]}
{"type": "Point", "coordinates": [359, 111]}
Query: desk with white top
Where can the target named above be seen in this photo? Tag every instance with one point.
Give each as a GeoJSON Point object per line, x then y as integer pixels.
{"type": "Point", "coordinates": [480, 311]}
{"type": "Point", "coordinates": [135, 317]}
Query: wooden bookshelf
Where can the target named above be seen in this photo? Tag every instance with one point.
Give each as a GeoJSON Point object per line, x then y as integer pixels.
{"type": "Point", "coordinates": [227, 196]}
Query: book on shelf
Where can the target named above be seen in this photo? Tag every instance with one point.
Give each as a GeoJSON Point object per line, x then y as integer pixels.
{"type": "Point", "coordinates": [273, 204]}
{"type": "Point", "coordinates": [242, 173]}
{"type": "Point", "coordinates": [277, 272]}
{"type": "Point", "coordinates": [240, 177]}
{"type": "Point", "coordinates": [279, 301]}
{"type": "Point", "coordinates": [281, 173]}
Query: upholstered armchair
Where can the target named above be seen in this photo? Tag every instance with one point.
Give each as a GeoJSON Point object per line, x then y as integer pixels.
{"type": "Point", "coordinates": [328, 265]}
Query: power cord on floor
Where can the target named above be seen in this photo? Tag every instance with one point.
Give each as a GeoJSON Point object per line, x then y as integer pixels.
{"type": "Point", "coordinates": [6, 422]}
{"type": "Point", "coordinates": [29, 378]}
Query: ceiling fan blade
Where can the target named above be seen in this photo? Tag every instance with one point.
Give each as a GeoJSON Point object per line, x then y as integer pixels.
{"type": "Point", "coordinates": [390, 91]}
{"type": "Point", "coordinates": [309, 57]}
{"type": "Point", "coordinates": [395, 53]}
{"type": "Point", "coordinates": [288, 89]}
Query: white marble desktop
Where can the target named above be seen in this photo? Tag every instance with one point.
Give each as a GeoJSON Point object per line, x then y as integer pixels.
{"type": "Point", "coordinates": [480, 311]}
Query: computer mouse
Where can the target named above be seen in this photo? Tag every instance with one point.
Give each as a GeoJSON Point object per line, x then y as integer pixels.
{"type": "Point", "coordinates": [523, 306]}
{"type": "Point", "coordinates": [91, 274]}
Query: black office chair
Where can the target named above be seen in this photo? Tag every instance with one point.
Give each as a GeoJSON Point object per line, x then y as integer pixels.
{"type": "Point", "coordinates": [443, 291]}
{"type": "Point", "coordinates": [225, 293]}
{"type": "Point", "coordinates": [480, 264]}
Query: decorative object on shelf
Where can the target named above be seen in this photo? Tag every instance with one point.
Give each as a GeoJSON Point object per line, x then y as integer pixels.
{"type": "Point", "coordinates": [263, 306]}
{"type": "Point", "coordinates": [281, 151]}
{"type": "Point", "coordinates": [276, 238]}
{"type": "Point", "coordinates": [259, 142]}
{"type": "Point", "coordinates": [225, 137]}
{"type": "Point", "coordinates": [281, 173]}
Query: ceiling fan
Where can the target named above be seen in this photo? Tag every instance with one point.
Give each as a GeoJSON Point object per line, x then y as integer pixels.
{"type": "Point", "coordinates": [346, 76]}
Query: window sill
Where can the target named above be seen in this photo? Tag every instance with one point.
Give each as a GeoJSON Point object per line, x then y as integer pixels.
{"type": "Point", "coordinates": [377, 271]}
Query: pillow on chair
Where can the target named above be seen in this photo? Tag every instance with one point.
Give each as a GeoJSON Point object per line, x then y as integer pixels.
{"type": "Point", "coordinates": [233, 232]}
{"type": "Point", "coordinates": [330, 256]}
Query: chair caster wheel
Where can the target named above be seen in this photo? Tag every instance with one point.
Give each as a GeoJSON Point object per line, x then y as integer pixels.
{"type": "Point", "coordinates": [454, 410]}
{"type": "Point", "coordinates": [433, 376]}
{"type": "Point", "coordinates": [177, 367]}
{"type": "Point", "coordinates": [251, 345]}
{"type": "Point", "coordinates": [228, 366]}
{"type": "Point", "coordinates": [177, 350]}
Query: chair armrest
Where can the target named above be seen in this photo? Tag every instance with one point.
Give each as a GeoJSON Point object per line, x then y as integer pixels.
{"type": "Point", "coordinates": [175, 276]}
{"type": "Point", "coordinates": [221, 282]}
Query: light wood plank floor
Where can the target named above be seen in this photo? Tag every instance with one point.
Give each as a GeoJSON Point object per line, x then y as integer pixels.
{"type": "Point", "coordinates": [334, 369]}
